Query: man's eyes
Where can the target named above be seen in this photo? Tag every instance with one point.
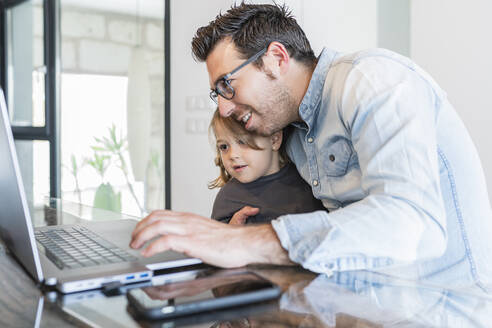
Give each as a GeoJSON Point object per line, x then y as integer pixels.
{"type": "Point", "coordinates": [225, 83]}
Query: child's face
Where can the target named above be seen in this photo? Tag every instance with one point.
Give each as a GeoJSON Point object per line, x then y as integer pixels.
{"type": "Point", "coordinates": [244, 163]}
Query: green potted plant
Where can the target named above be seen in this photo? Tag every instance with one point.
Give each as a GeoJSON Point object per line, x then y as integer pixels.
{"type": "Point", "coordinates": [113, 147]}
{"type": "Point", "coordinates": [105, 196]}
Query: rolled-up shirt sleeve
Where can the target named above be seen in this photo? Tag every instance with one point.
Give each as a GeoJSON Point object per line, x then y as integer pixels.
{"type": "Point", "coordinates": [401, 219]}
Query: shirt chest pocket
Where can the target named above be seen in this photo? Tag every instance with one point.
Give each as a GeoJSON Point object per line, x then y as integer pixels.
{"type": "Point", "coordinates": [335, 157]}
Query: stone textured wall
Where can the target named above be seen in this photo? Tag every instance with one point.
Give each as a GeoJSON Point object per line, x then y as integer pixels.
{"type": "Point", "coordinates": [101, 42]}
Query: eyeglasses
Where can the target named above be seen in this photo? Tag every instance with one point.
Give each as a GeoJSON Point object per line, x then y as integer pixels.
{"type": "Point", "coordinates": [223, 86]}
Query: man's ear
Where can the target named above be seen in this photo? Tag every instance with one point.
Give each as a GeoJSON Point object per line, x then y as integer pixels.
{"type": "Point", "coordinates": [276, 139]}
{"type": "Point", "coordinates": [277, 59]}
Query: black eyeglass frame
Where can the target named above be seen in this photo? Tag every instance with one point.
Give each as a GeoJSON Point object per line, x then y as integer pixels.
{"type": "Point", "coordinates": [215, 93]}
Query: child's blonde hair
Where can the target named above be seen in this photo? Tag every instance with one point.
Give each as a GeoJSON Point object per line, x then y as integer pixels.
{"type": "Point", "coordinates": [238, 130]}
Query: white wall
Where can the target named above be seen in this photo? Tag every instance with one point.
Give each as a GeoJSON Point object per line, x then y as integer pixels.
{"type": "Point", "coordinates": [394, 25]}
{"type": "Point", "coordinates": [346, 26]}
{"type": "Point", "coordinates": [451, 40]}
{"type": "Point", "coordinates": [191, 154]}
{"type": "Point", "coordinates": [343, 25]}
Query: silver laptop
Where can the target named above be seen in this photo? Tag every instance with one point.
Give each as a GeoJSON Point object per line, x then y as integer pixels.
{"type": "Point", "coordinates": [71, 257]}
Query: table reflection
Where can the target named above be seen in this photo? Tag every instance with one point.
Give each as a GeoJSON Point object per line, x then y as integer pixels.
{"type": "Point", "coordinates": [370, 300]}
{"type": "Point", "coordinates": [349, 299]}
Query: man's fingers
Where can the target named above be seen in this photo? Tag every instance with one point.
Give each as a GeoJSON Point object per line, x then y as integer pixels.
{"type": "Point", "coordinates": [155, 216]}
{"type": "Point", "coordinates": [165, 243]}
{"type": "Point", "coordinates": [152, 217]}
{"type": "Point", "coordinates": [165, 221]}
{"type": "Point", "coordinates": [159, 227]}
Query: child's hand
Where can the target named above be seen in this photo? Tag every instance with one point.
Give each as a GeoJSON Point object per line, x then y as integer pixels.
{"type": "Point", "coordinates": [243, 214]}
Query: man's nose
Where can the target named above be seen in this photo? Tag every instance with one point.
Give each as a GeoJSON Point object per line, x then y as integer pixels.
{"type": "Point", "coordinates": [226, 107]}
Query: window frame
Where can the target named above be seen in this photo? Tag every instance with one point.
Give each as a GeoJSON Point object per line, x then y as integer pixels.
{"type": "Point", "coordinates": [51, 130]}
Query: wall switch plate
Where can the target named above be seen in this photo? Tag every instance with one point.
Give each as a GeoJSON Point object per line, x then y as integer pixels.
{"type": "Point", "coordinates": [197, 125]}
{"type": "Point", "coordinates": [199, 103]}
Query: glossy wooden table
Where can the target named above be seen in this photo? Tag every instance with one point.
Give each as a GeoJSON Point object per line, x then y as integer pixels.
{"type": "Point", "coordinates": [351, 299]}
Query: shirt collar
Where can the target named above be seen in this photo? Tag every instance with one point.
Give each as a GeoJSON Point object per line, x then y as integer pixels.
{"type": "Point", "coordinates": [309, 104]}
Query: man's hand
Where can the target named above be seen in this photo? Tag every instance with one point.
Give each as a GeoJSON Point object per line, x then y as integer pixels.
{"type": "Point", "coordinates": [213, 242]}
{"type": "Point", "coordinates": [243, 214]}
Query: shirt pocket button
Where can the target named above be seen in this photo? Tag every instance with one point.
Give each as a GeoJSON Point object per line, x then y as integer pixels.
{"type": "Point", "coordinates": [338, 153]}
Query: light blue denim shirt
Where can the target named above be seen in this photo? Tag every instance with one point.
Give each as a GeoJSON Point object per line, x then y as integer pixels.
{"type": "Point", "coordinates": [387, 154]}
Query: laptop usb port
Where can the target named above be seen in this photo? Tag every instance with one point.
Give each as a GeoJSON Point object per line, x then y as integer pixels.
{"type": "Point", "coordinates": [130, 277]}
{"type": "Point", "coordinates": [144, 275]}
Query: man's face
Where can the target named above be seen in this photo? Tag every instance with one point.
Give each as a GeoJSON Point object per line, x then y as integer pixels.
{"type": "Point", "coordinates": [261, 101]}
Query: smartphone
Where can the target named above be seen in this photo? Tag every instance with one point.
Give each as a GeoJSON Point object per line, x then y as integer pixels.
{"type": "Point", "coordinates": [207, 292]}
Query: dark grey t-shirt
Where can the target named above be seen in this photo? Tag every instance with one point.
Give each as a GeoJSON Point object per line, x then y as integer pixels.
{"type": "Point", "coordinates": [284, 192]}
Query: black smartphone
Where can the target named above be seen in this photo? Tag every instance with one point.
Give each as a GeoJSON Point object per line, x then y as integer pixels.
{"type": "Point", "coordinates": [208, 291]}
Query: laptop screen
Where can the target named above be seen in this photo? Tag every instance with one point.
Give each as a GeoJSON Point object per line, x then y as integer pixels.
{"type": "Point", "coordinates": [16, 228]}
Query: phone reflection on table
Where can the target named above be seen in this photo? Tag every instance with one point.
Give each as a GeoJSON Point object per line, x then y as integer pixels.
{"type": "Point", "coordinates": [206, 297]}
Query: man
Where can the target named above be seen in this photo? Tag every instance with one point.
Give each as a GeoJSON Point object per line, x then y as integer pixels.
{"type": "Point", "coordinates": [374, 136]}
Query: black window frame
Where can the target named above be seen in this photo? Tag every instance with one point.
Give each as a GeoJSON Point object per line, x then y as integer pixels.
{"type": "Point", "coordinates": [51, 130]}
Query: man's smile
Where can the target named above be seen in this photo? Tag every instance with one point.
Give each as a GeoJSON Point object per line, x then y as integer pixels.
{"type": "Point", "coordinates": [246, 117]}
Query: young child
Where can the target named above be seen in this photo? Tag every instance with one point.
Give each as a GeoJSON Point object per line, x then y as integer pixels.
{"type": "Point", "coordinates": [255, 171]}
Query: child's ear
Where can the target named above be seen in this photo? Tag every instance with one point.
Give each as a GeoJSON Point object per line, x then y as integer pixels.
{"type": "Point", "coordinates": [276, 139]}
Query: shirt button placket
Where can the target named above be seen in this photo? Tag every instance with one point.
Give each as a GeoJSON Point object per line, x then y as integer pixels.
{"type": "Point", "coordinates": [312, 164]}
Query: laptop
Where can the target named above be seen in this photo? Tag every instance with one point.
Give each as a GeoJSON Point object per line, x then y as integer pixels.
{"type": "Point", "coordinates": [71, 258]}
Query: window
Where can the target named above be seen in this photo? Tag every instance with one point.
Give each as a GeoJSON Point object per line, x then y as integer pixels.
{"type": "Point", "coordinates": [85, 86]}
{"type": "Point", "coordinates": [94, 171]}
{"type": "Point", "coordinates": [112, 104]}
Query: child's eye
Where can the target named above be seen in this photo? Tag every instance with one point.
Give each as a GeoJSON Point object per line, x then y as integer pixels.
{"type": "Point", "coordinates": [222, 147]}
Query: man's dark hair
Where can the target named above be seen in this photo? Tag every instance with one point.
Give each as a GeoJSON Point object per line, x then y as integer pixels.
{"type": "Point", "coordinates": [252, 27]}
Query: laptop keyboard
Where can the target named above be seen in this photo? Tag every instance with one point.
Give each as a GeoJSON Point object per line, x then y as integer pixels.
{"type": "Point", "coordinates": [78, 247]}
